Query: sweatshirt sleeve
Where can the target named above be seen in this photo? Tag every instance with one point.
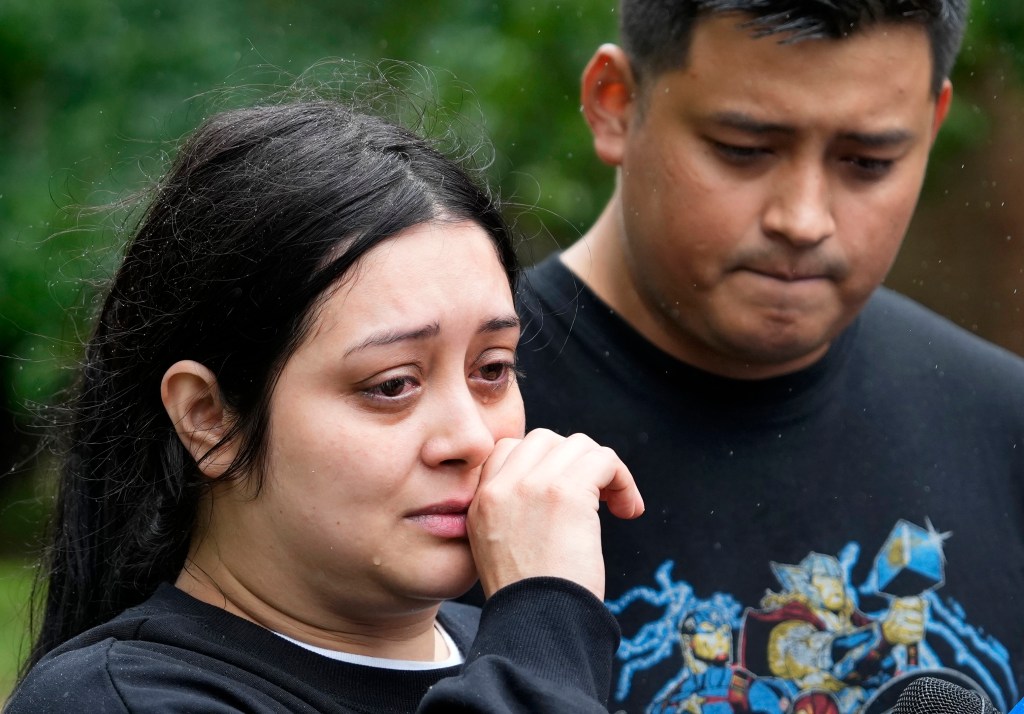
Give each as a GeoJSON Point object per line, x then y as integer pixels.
{"type": "Point", "coordinates": [544, 645]}
{"type": "Point", "coordinates": [78, 682]}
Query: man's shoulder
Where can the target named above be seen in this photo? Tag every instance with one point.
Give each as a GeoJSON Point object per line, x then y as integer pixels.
{"type": "Point", "coordinates": [549, 282]}
{"type": "Point", "coordinates": [896, 326]}
{"type": "Point", "coordinates": [546, 266]}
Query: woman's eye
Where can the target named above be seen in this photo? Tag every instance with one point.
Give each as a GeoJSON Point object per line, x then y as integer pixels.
{"type": "Point", "coordinates": [496, 377]}
{"type": "Point", "coordinates": [391, 388]}
{"type": "Point", "coordinates": [495, 371]}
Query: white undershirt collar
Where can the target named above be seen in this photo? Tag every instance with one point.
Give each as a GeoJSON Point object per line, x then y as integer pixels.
{"type": "Point", "coordinates": [454, 658]}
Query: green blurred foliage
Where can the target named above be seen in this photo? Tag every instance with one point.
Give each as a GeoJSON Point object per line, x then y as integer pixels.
{"type": "Point", "coordinates": [15, 584]}
{"type": "Point", "coordinates": [994, 40]}
{"type": "Point", "coordinates": [94, 92]}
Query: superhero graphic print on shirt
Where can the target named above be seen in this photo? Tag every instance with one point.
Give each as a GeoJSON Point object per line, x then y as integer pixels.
{"type": "Point", "coordinates": [807, 647]}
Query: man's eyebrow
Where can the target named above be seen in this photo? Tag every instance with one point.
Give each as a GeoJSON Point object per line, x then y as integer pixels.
{"type": "Point", "coordinates": [873, 139]}
{"type": "Point", "coordinates": [390, 337]}
{"type": "Point", "coordinates": [879, 139]}
{"type": "Point", "coordinates": [747, 123]}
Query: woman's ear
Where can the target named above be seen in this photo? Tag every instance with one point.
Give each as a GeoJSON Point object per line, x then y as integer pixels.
{"type": "Point", "coordinates": [608, 99]}
{"type": "Point", "coordinates": [192, 399]}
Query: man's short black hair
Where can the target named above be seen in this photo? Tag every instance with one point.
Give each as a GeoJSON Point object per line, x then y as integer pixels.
{"type": "Point", "coordinates": [656, 33]}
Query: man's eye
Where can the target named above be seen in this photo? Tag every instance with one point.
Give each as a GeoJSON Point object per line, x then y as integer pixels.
{"type": "Point", "coordinates": [739, 154]}
{"type": "Point", "coordinates": [870, 168]}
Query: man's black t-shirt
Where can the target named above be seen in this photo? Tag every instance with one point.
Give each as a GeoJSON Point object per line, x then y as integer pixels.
{"type": "Point", "coordinates": [797, 526]}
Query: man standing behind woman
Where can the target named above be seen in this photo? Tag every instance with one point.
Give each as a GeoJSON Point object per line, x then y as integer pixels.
{"type": "Point", "coordinates": [835, 475]}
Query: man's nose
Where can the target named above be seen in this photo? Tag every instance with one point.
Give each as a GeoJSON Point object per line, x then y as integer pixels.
{"type": "Point", "coordinates": [799, 209]}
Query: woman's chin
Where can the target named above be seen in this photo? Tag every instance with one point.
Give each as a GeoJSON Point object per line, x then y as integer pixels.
{"type": "Point", "coordinates": [451, 579]}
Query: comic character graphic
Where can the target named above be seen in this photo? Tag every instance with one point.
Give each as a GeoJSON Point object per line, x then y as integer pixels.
{"type": "Point", "coordinates": [709, 681]}
{"type": "Point", "coordinates": [815, 702]}
{"type": "Point", "coordinates": [812, 634]}
{"type": "Point", "coordinates": [821, 643]}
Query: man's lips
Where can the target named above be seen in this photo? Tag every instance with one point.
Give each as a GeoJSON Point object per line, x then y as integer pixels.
{"type": "Point", "coordinates": [792, 267]}
{"type": "Point", "coordinates": [787, 275]}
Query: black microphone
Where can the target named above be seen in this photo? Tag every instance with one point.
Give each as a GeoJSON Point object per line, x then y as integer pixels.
{"type": "Point", "coordinates": [928, 695]}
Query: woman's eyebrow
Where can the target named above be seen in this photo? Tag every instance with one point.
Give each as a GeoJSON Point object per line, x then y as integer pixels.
{"type": "Point", "coordinates": [389, 337]}
{"type": "Point", "coordinates": [496, 324]}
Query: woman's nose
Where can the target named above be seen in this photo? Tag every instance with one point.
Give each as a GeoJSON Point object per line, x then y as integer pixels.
{"type": "Point", "coordinates": [459, 434]}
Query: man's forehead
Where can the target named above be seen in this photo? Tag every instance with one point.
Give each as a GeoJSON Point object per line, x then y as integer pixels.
{"type": "Point", "coordinates": [760, 84]}
{"type": "Point", "coordinates": [744, 27]}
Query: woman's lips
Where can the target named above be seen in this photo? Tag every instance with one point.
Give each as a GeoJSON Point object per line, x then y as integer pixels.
{"type": "Point", "coordinates": [444, 520]}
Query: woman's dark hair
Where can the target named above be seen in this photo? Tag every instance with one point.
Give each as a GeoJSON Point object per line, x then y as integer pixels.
{"type": "Point", "coordinates": [262, 212]}
{"type": "Point", "coordinates": [656, 33]}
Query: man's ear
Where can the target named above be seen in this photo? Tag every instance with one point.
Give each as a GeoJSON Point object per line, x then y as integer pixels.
{"type": "Point", "coordinates": [608, 97]}
{"type": "Point", "coordinates": [942, 104]}
{"type": "Point", "coordinates": [192, 399]}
